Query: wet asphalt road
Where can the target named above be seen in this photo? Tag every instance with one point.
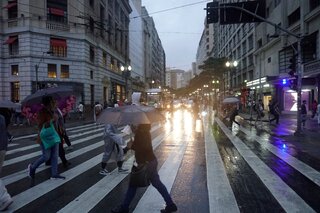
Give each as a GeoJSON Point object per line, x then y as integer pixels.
{"type": "Point", "coordinates": [265, 173]}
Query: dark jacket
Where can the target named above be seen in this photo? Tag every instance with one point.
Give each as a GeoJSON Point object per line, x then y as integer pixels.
{"type": "Point", "coordinates": [142, 144]}
{"type": "Point", "coordinates": [3, 134]}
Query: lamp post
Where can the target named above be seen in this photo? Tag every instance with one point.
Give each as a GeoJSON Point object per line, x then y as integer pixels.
{"type": "Point", "coordinates": [126, 72]}
{"type": "Point", "coordinates": [231, 65]}
{"type": "Point", "coordinates": [37, 67]}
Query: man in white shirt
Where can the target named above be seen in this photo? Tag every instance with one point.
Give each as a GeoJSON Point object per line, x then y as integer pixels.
{"type": "Point", "coordinates": [80, 110]}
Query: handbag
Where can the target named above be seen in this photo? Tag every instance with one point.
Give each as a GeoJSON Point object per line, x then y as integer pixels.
{"type": "Point", "coordinates": [139, 176]}
{"type": "Point", "coordinates": [49, 136]}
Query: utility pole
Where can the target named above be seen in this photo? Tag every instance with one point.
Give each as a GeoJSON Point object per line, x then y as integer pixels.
{"type": "Point", "coordinates": [37, 68]}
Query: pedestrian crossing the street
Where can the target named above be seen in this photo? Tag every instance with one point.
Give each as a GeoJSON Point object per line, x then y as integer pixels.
{"type": "Point", "coordinates": [226, 170]}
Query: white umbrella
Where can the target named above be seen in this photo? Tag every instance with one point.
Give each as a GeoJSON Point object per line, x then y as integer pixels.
{"type": "Point", "coordinates": [231, 100]}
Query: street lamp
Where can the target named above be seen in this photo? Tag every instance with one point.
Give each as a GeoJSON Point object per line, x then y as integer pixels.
{"type": "Point", "coordinates": [230, 64]}
{"type": "Point", "coordinates": [37, 67]}
{"type": "Point", "coordinates": [126, 71]}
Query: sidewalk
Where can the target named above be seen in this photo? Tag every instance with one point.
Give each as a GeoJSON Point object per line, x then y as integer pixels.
{"type": "Point", "coordinates": [309, 141]}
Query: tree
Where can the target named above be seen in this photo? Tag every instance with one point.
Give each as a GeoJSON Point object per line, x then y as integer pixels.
{"type": "Point", "coordinates": [214, 67]}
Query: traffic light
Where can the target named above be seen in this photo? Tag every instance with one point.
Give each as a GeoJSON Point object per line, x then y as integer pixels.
{"type": "Point", "coordinates": [212, 12]}
{"type": "Point", "coordinates": [292, 66]}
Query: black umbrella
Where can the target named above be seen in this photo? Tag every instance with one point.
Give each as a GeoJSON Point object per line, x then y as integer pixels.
{"type": "Point", "coordinates": [56, 92]}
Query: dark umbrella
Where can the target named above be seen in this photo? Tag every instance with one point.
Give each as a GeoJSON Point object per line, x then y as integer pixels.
{"type": "Point", "coordinates": [130, 114]}
{"type": "Point", "coordinates": [8, 104]}
{"type": "Point", "coordinates": [56, 92]}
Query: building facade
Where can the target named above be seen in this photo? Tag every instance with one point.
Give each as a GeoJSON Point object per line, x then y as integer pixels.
{"type": "Point", "coordinates": [78, 44]}
{"type": "Point", "coordinates": [265, 53]}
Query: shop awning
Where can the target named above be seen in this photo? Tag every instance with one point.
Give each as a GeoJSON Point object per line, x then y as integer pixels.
{"type": "Point", "coordinates": [10, 5]}
{"type": "Point", "coordinates": [11, 39]}
{"type": "Point", "coordinates": [58, 42]}
{"type": "Point", "coordinates": [57, 12]}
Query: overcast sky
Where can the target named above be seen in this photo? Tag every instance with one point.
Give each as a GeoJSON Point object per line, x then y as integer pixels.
{"type": "Point", "coordinates": [179, 29]}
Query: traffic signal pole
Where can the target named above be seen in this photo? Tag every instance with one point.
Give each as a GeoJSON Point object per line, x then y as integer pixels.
{"type": "Point", "coordinates": [299, 49]}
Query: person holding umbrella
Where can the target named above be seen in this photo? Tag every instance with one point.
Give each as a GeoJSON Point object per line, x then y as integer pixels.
{"type": "Point", "coordinates": [44, 116]}
{"type": "Point", "coordinates": [142, 145]}
{"type": "Point", "coordinates": [5, 198]}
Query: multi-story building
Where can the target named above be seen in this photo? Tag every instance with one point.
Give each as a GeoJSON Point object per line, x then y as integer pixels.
{"type": "Point", "coordinates": [264, 53]}
{"type": "Point", "coordinates": [155, 58]}
{"type": "Point", "coordinates": [80, 44]}
{"type": "Point", "coordinates": [205, 46]}
{"type": "Point", "coordinates": [175, 78]}
{"type": "Point", "coordinates": [136, 46]}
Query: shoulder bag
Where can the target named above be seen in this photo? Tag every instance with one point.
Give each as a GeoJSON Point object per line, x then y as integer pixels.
{"type": "Point", "coordinates": [48, 135]}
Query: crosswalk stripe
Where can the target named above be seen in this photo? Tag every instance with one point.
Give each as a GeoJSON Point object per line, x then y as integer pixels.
{"type": "Point", "coordinates": [37, 191]}
{"type": "Point", "coordinates": [13, 151]}
{"type": "Point", "coordinates": [91, 197]}
{"type": "Point", "coordinates": [305, 169]}
{"type": "Point", "coordinates": [34, 135]}
{"type": "Point", "coordinates": [37, 153]}
{"type": "Point", "coordinates": [221, 196]}
{"type": "Point", "coordinates": [287, 198]}
{"type": "Point", "coordinates": [22, 174]}
{"type": "Point", "coordinates": [151, 199]}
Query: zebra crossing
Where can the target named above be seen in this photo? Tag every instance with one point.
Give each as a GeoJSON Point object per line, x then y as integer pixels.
{"type": "Point", "coordinates": [238, 174]}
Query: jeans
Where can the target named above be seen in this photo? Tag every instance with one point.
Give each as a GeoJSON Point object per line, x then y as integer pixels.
{"type": "Point", "coordinates": [155, 181]}
{"type": "Point", "coordinates": [47, 154]}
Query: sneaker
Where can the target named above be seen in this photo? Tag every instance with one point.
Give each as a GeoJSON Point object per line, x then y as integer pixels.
{"type": "Point", "coordinates": [10, 139]}
{"type": "Point", "coordinates": [123, 170]}
{"type": "Point", "coordinates": [5, 204]}
{"type": "Point", "coordinates": [119, 209]}
{"type": "Point", "coordinates": [104, 172]}
{"type": "Point", "coordinates": [169, 208]}
{"type": "Point", "coordinates": [30, 172]}
{"type": "Point", "coordinates": [57, 177]}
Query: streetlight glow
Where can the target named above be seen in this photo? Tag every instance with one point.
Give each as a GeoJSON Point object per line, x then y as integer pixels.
{"type": "Point", "coordinates": [227, 64]}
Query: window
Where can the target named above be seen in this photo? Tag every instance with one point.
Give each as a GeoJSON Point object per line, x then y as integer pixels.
{"type": "Point", "coordinates": [64, 71]}
{"type": "Point", "coordinates": [58, 47]}
{"type": "Point", "coordinates": [13, 43]}
{"type": "Point", "coordinates": [12, 7]}
{"type": "Point", "coordinates": [259, 43]}
{"type": "Point", "coordinates": [314, 4]}
{"type": "Point", "coordinates": [91, 24]}
{"type": "Point", "coordinates": [91, 2]}
{"type": "Point", "coordinates": [57, 11]}
{"type": "Point", "coordinates": [15, 70]}
{"type": "Point", "coordinates": [269, 60]}
{"type": "Point", "coordinates": [250, 42]}
{"type": "Point", "coordinates": [15, 91]}
{"type": "Point", "coordinates": [294, 17]}
{"type": "Point", "coordinates": [92, 54]}
{"type": "Point", "coordinates": [104, 59]}
{"type": "Point", "coordinates": [112, 64]}
{"type": "Point", "coordinates": [91, 74]}
{"type": "Point", "coordinates": [250, 59]}
{"type": "Point", "coordinates": [52, 71]}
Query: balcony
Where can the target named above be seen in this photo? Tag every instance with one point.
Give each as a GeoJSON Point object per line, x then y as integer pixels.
{"type": "Point", "coordinates": [52, 25]}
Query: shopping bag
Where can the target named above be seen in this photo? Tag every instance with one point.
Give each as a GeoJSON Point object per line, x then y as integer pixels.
{"type": "Point", "coordinates": [48, 135]}
{"type": "Point", "coordinates": [139, 176]}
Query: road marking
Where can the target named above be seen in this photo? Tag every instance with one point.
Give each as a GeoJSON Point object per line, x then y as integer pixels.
{"type": "Point", "coordinates": [303, 168]}
{"type": "Point", "coordinates": [39, 190]}
{"type": "Point", "coordinates": [34, 135]}
{"type": "Point", "coordinates": [221, 197]}
{"type": "Point", "coordinates": [92, 196]}
{"type": "Point", "coordinates": [22, 174]}
{"type": "Point", "coordinates": [38, 153]}
{"type": "Point", "coordinates": [151, 199]}
{"type": "Point", "coordinates": [286, 197]}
